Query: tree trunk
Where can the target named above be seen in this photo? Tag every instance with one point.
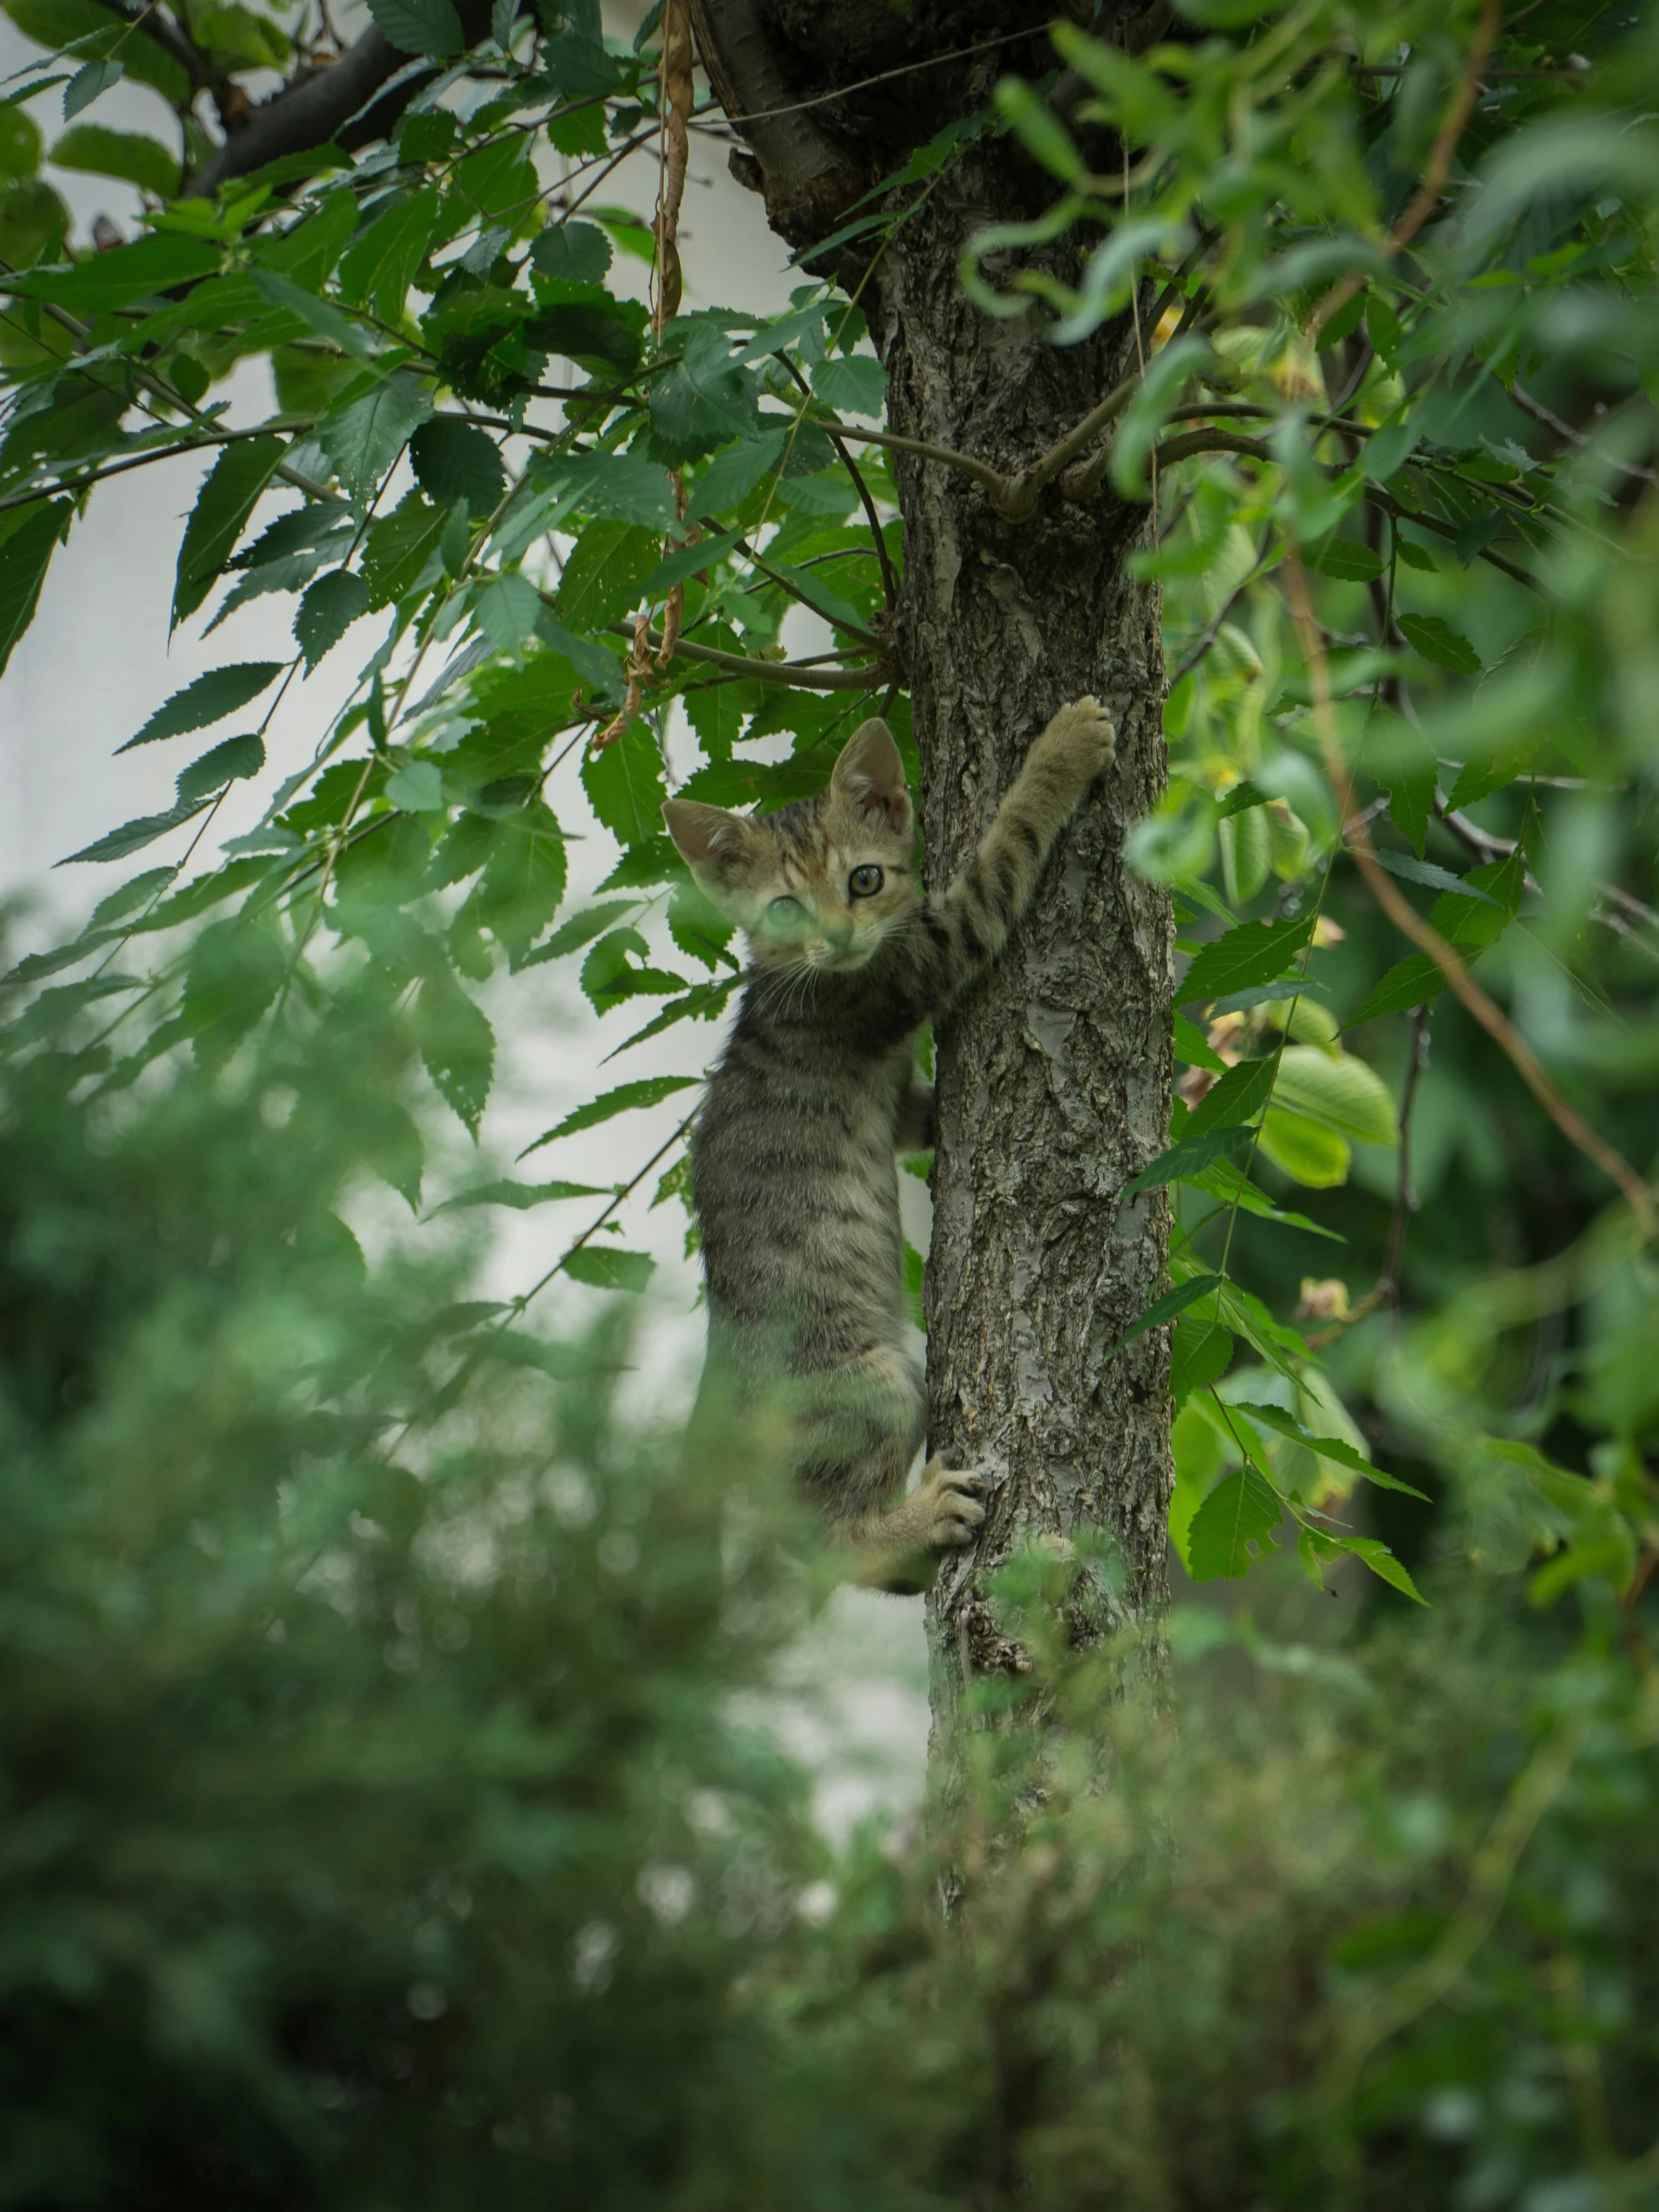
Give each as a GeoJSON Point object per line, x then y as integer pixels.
{"type": "Point", "coordinates": [1053, 1079]}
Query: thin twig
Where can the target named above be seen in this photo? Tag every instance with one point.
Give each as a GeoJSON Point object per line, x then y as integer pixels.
{"type": "Point", "coordinates": [889, 581]}
{"type": "Point", "coordinates": [798, 674]}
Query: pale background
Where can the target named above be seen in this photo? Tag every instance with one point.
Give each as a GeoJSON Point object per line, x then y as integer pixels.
{"type": "Point", "coordinates": [98, 661]}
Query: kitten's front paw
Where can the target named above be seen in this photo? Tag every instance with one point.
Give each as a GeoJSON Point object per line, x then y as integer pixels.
{"type": "Point", "coordinates": [952, 1511]}
{"type": "Point", "coordinates": [1082, 735]}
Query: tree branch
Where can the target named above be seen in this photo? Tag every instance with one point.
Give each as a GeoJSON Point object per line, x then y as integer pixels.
{"type": "Point", "coordinates": [798, 674]}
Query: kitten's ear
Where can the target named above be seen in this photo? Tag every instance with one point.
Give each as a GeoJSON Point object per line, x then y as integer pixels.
{"type": "Point", "coordinates": [707, 837]}
{"type": "Point", "coordinates": [869, 776]}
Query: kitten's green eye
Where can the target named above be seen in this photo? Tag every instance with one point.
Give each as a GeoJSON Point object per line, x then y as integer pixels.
{"type": "Point", "coordinates": [865, 881]}
{"type": "Point", "coordinates": [784, 909]}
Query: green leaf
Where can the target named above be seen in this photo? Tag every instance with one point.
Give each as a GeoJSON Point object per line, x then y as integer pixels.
{"type": "Point", "coordinates": [1200, 1351]}
{"type": "Point", "coordinates": [416, 787]}
{"type": "Point", "coordinates": [327, 321]}
{"type": "Point", "coordinates": [136, 160]}
{"type": "Point", "coordinates": [221, 509]}
{"type": "Point", "coordinates": [366, 438]}
{"type": "Point", "coordinates": [851, 383]}
{"type": "Point", "coordinates": [1254, 952]}
{"type": "Point", "coordinates": [456, 460]}
{"type": "Point", "coordinates": [1238, 1096]}
{"type": "Point", "coordinates": [233, 972]}
{"type": "Point", "coordinates": [625, 787]}
{"type": "Point", "coordinates": [143, 270]}
{"type": "Point", "coordinates": [605, 575]}
{"type": "Point", "coordinates": [208, 698]}
{"type": "Point", "coordinates": [81, 91]}
{"type": "Point", "coordinates": [1193, 1048]}
{"type": "Point", "coordinates": [604, 1268]}
{"type": "Point", "coordinates": [1382, 1564]}
{"type": "Point", "coordinates": [380, 266]}
{"type": "Point", "coordinates": [458, 1044]}
{"type": "Point", "coordinates": [731, 476]}
{"type": "Point", "coordinates": [581, 929]}
{"type": "Point", "coordinates": [1233, 1528]}
{"type": "Point", "coordinates": [1307, 1151]}
{"type": "Point", "coordinates": [229, 761]}
{"type": "Point", "coordinates": [1439, 642]}
{"type": "Point", "coordinates": [328, 611]}
{"type": "Point", "coordinates": [1412, 803]}
{"type": "Point", "coordinates": [571, 254]}
{"type": "Point", "coordinates": [429, 27]}
{"type": "Point", "coordinates": [1438, 879]}
{"type": "Point", "coordinates": [1347, 560]}
{"type": "Point", "coordinates": [132, 836]}
{"type": "Point", "coordinates": [1166, 1308]}
{"type": "Point", "coordinates": [520, 1195]}
{"type": "Point", "coordinates": [90, 29]}
{"type": "Point", "coordinates": [508, 609]}
{"type": "Point", "coordinates": [625, 1099]}
{"type": "Point", "coordinates": [522, 884]}
{"type": "Point", "coordinates": [705, 400]}
{"type": "Point", "coordinates": [1343, 1093]}
{"type": "Point", "coordinates": [398, 547]}
{"type": "Point", "coordinates": [1327, 1447]}
{"type": "Point", "coordinates": [25, 557]}
{"type": "Point", "coordinates": [1188, 1157]}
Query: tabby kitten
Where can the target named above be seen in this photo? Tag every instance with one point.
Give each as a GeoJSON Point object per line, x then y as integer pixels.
{"type": "Point", "coordinates": [794, 1151]}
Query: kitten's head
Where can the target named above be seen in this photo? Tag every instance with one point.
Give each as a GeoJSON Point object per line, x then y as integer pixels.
{"type": "Point", "coordinates": [822, 882]}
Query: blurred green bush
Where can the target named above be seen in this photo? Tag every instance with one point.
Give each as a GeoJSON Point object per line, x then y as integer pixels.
{"type": "Point", "coordinates": [379, 1825]}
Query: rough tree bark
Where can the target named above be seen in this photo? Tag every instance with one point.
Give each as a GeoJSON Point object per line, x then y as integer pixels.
{"type": "Point", "coordinates": [1053, 1081]}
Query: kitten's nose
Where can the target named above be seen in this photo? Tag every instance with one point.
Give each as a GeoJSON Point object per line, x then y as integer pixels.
{"type": "Point", "coordinates": [840, 940]}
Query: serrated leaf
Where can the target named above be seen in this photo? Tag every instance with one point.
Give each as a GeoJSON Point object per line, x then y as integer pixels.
{"type": "Point", "coordinates": [87, 84]}
{"type": "Point", "coordinates": [1346, 560]}
{"type": "Point", "coordinates": [1166, 1308]}
{"type": "Point", "coordinates": [1254, 952]}
{"type": "Point", "coordinates": [625, 787]}
{"type": "Point", "coordinates": [382, 264]}
{"type": "Point", "coordinates": [208, 699]}
{"type": "Point", "coordinates": [1238, 1096]}
{"type": "Point", "coordinates": [1187, 1157]}
{"type": "Point", "coordinates": [456, 460]}
{"type": "Point", "coordinates": [522, 884]}
{"type": "Point", "coordinates": [604, 1268]}
{"type": "Point", "coordinates": [132, 836]}
{"type": "Point", "coordinates": [851, 383]}
{"type": "Point", "coordinates": [326, 319]}
{"type": "Point", "coordinates": [626, 1098]}
{"type": "Point", "coordinates": [733, 475]}
{"type": "Point", "coordinates": [705, 400]}
{"type": "Point", "coordinates": [1411, 803]}
{"type": "Point", "coordinates": [429, 27]}
{"type": "Point", "coordinates": [25, 557]}
{"type": "Point", "coordinates": [571, 254]}
{"type": "Point", "coordinates": [145, 268]}
{"type": "Point", "coordinates": [1233, 1528]}
{"type": "Point", "coordinates": [231, 762]}
{"type": "Point", "coordinates": [366, 438]}
{"type": "Point", "coordinates": [1438, 879]}
{"type": "Point", "coordinates": [328, 611]}
{"type": "Point", "coordinates": [1435, 640]}
{"type": "Point", "coordinates": [457, 1045]}
{"type": "Point", "coordinates": [220, 514]}
{"type": "Point", "coordinates": [1193, 1048]}
{"type": "Point", "coordinates": [1327, 1447]}
{"type": "Point", "coordinates": [521, 1195]}
{"type": "Point", "coordinates": [581, 929]}
{"type": "Point", "coordinates": [1200, 1351]}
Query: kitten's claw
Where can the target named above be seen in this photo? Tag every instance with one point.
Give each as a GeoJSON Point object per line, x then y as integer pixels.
{"type": "Point", "coordinates": [1082, 733]}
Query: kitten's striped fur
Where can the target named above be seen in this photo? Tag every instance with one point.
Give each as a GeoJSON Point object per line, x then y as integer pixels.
{"type": "Point", "coordinates": [793, 1152]}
